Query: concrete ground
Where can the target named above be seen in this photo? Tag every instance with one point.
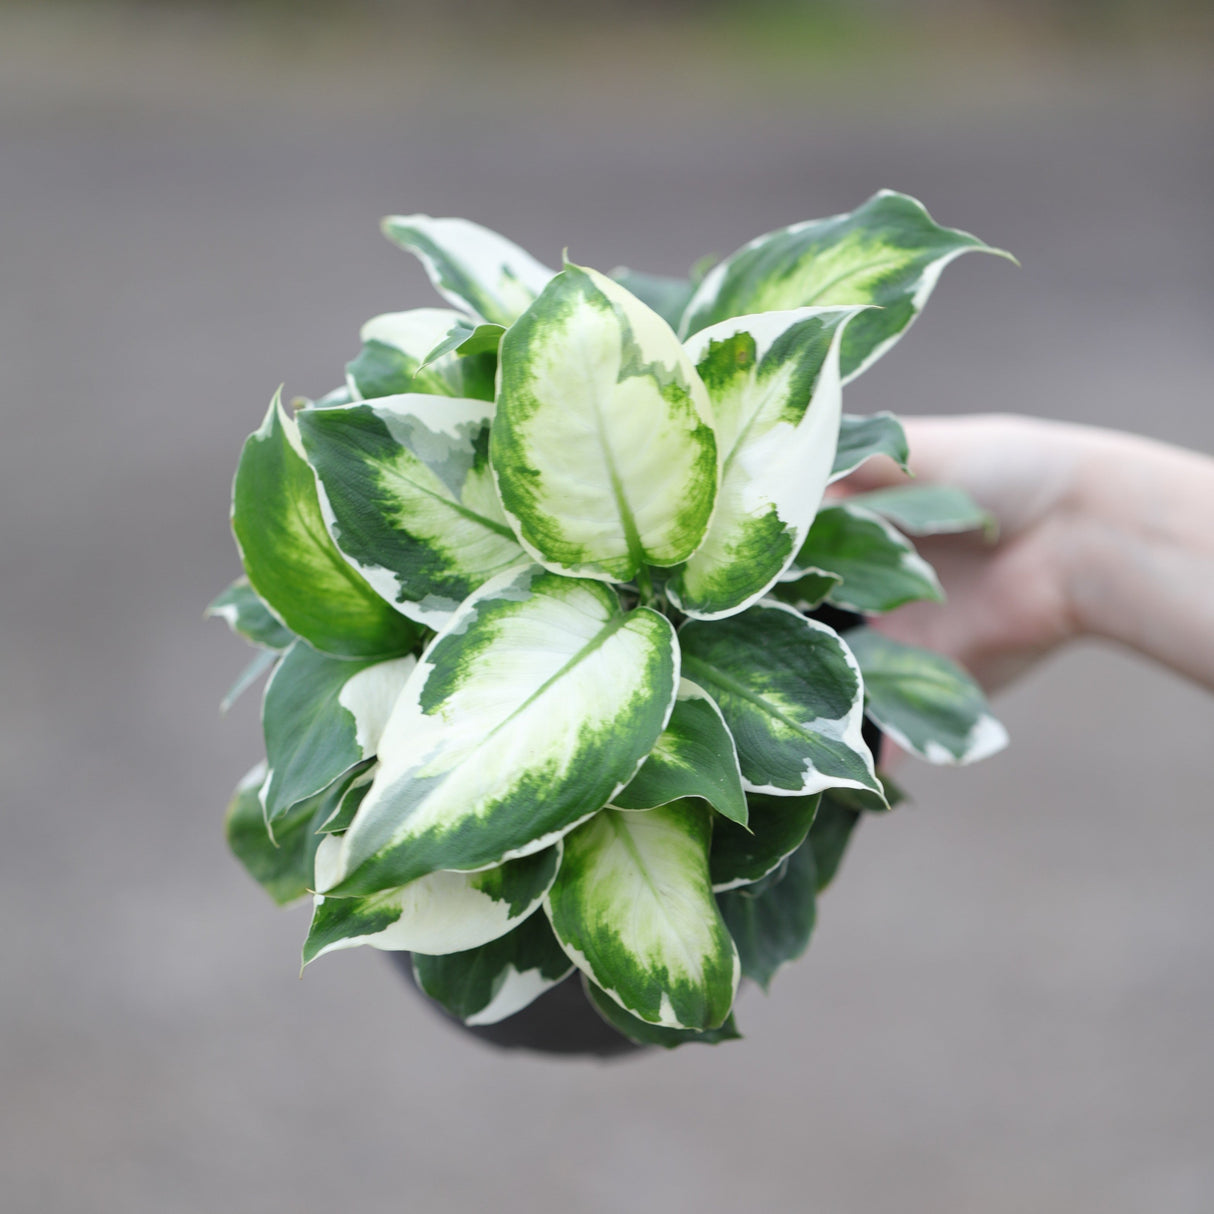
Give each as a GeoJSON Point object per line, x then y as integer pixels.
{"type": "Point", "coordinates": [1008, 1004]}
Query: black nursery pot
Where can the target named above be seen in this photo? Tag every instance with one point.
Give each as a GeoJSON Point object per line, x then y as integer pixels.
{"type": "Point", "coordinates": [562, 1021]}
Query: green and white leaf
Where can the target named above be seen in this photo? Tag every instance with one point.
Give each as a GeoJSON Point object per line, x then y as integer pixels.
{"type": "Point", "coordinates": [863, 438]}
{"type": "Point", "coordinates": [888, 252]}
{"type": "Point", "coordinates": [281, 865]}
{"type": "Point", "coordinates": [322, 715]}
{"type": "Point", "coordinates": [354, 789]}
{"type": "Point", "coordinates": [442, 912]}
{"type": "Point", "coordinates": [694, 757]}
{"type": "Point", "coordinates": [811, 589]}
{"type": "Point", "coordinates": [927, 509]}
{"type": "Point", "coordinates": [640, 1032]}
{"type": "Point", "coordinates": [291, 561]}
{"type": "Point", "coordinates": [633, 908]}
{"type": "Point", "coordinates": [474, 269]}
{"type": "Point", "coordinates": [777, 827]}
{"type": "Point", "coordinates": [791, 694]}
{"type": "Point", "coordinates": [529, 711]}
{"type": "Point", "coordinates": [668, 297]}
{"type": "Point", "coordinates": [485, 985]}
{"type": "Point", "coordinates": [408, 495]}
{"type": "Point", "coordinates": [773, 927]}
{"type": "Point", "coordinates": [880, 568]}
{"type": "Point", "coordinates": [602, 441]}
{"type": "Point", "coordinates": [776, 399]}
{"type": "Point", "coordinates": [926, 703]}
{"type": "Point", "coordinates": [466, 338]}
{"type": "Point", "coordinates": [400, 354]}
{"type": "Point", "coordinates": [247, 616]}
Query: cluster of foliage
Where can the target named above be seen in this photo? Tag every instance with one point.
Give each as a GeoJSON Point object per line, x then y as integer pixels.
{"type": "Point", "coordinates": [535, 585]}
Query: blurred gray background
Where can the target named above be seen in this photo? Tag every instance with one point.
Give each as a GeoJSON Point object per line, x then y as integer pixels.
{"type": "Point", "coordinates": [1009, 1001]}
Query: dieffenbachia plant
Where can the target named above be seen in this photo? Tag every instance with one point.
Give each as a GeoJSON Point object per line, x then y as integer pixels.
{"type": "Point", "coordinates": [545, 589]}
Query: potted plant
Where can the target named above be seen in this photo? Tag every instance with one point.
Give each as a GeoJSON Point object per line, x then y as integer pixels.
{"type": "Point", "coordinates": [571, 699]}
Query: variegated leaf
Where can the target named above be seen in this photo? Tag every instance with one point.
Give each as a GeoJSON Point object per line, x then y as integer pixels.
{"type": "Point", "coordinates": [641, 1032]}
{"type": "Point", "coordinates": [602, 446]}
{"type": "Point", "coordinates": [810, 589]}
{"type": "Point", "coordinates": [927, 509]}
{"type": "Point", "coordinates": [777, 827]}
{"type": "Point", "coordinates": [880, 568]}
{"type": "Point", "coordinates": [399, 355]}
{"type": "Point", "coordinates": [668, 297]}
{"type": "Point", "coordinates": [791, 695]}
{"type": "Point", "coordinates": [247, 616]}
{"type": "Point", "coordinates": [862, 438]}
{"type": "Point", "coordinates": [475, 269]}
{"type": "Point", "coordinates": [466, 338]}
{"type": "Point", "coordinates": [322, 715]}
{"type": "Point", "coordinates": [354, 790]}
{"type": "Point", "coordinates": [408, 495]}
{"type": "Point", "coordinates": [282, 865]}
{"type": "Point", "coordinates": [888, 252]}
{"type": "Point", "coordinates": [776, 399]}
{"type": "Point", "coordinates": [527, 713]}
{"type": "Point", "coordinates": [925, 702]}
{"type": "Point", "coordinates": [633, 907]}
{"type": "Point", "coordinates": [442, 912]}
{"type": "Point", "coordinates": [485, 985]}
{"type": "Point", "coordinates": [773, 927]}
{"type": "Point", "coordinates": [694, 757]}
{"type": "Point", "coordinates": [291, 562]}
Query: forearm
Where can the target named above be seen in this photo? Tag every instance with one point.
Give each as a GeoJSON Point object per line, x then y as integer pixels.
{"type": "Point", "coordinates": [1137, 559]}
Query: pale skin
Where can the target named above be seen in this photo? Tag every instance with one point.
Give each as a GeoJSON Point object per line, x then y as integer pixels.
{"type": "Point", "coordinates": [1101, 534]}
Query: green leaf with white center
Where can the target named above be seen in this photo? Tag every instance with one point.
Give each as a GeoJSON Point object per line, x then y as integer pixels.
{"type": "Point", "coordinates": [322, 715]}
{"type": "Point", "coordinates": [694, 757]}
{"type": "Point", "coordinates": [811, 589]}
{"type": "Point", "coordinates": [791, 694]}
{"type": "Point", "coordinates": [668, 297]}
{"type": "Point", "coordinates": [442, 912]}
{"type": "Point", "coordinates": [773, 927]}
{"type": "Point", "coordinates": [485, 985]}
{"type": "Point", "coordinates": [863, 438]}
{"type": "Point", "coordinates": [529, 711]}
{"type": "Point", "coordinates": [466, 338]}
{"type": "Point", "coordinates": [399, 355]}
{"type": "Point", "coordinates": [602, 444]}
{"type": "Point", "coordinates": [880, 568]}
{"type": "Point", "coordinates": [777, 827]}
{"type": "Point", "coordinates": [831, 833]}
{"type": "Point", "coordinates": [633, 908]}
{"type": "Point", "coordinates": [924, 702]}
{"type": "Point", "coordinates": [640, 1032]}
{"type": "Point", "coordinates": [474, 269]}
{"type": "Point", "coordinates": [247, 616]}
{"type": "Point", "coordinates": [776, 399]}
{"type": "Point", "coordinates": [291, 561]}
{"type": "Point", "coordinates": [927, 509]}
{"type": "Point", "coordinates": [408, 495]}
{"type": "Point", "coordinates": [281, 865]}
{"type": "Point", "coordinates": [888, 252]}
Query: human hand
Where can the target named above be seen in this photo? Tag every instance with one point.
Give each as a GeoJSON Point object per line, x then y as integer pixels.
{"type": "Point", "coordinates": [1099, 533]}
